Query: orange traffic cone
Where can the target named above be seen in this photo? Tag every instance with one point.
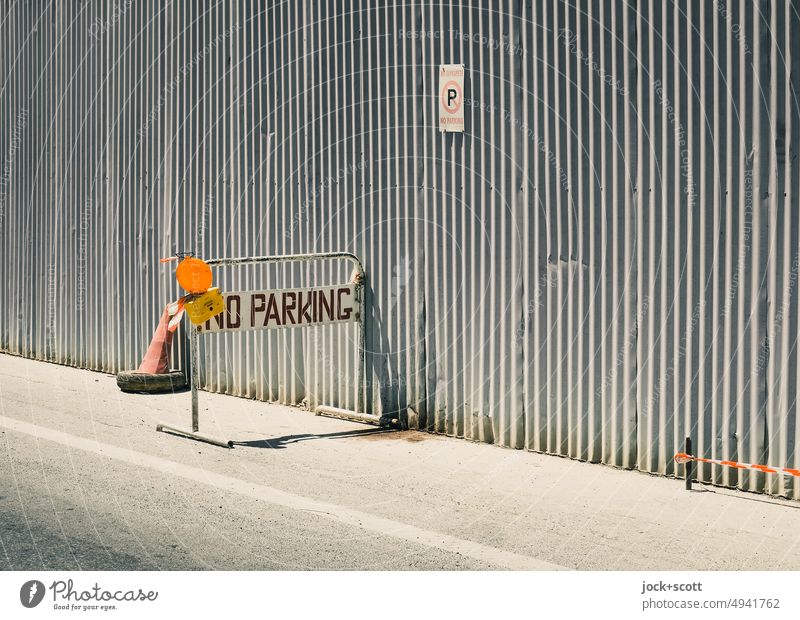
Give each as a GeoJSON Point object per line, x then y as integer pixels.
{"type": "Point", "coordinates": [156, 359]}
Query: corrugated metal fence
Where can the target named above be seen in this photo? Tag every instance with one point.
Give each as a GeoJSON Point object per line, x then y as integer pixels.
{"type": "Point", "coordinates": [604, 262]}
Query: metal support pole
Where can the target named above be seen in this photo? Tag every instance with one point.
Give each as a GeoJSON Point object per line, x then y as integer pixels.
{"type": "Point", "coordinates": [689, 466]}
{"type": "Point", "coordinates": [195, 357]}
{"type": "Point", "coordinates": [194, 374]}
{"type": "Point", "coordinates": [361, 396]}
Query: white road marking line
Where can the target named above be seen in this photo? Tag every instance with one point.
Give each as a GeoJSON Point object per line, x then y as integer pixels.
{"type": "Point", "coordinates": [342, 514]}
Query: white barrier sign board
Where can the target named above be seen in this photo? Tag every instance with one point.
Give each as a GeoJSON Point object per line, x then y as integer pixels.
{"type": "Point", "coordinates": [298, 307]}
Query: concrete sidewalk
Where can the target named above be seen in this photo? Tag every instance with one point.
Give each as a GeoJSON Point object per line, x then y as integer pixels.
{"type": "Point", "coordinates": [86, 482]}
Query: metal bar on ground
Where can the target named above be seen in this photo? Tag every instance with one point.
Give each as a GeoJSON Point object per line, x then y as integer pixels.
{"type": "Point", "coordinates": [173, 430]}
{"type": "Point", "coordinates": [346, 414]}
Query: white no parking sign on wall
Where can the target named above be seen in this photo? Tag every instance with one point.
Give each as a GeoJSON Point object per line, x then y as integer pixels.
{"type": "Point", "coordinates": [451, 98]}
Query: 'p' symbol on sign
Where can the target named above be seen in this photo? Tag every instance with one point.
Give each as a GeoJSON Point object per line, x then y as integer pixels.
{"type": "Point", "coordinates": [451, 98]}
{"type": "Point", "coordinates": [453, 102]}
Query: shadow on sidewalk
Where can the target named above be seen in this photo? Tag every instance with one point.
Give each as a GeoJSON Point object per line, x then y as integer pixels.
{"type": "Point", "coordinates": [279, 443]}
{"type": "Point", "coordinates": [782, 502]}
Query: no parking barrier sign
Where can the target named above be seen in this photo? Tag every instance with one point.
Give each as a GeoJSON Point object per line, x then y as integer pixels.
{"type": "Point", "coordinates": [246, 310]}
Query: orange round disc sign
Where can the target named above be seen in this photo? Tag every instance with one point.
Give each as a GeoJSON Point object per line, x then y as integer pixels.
{"type": "Point", "coordinates": [193, 275]}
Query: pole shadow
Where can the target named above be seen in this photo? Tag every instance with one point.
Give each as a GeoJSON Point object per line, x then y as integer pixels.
{"type": "Point", "coordinates": [280, 443]}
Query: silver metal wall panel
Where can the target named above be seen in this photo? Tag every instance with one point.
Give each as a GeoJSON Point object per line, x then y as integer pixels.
{"type": "Point", "coordinates": [717, 237]}
{"type": "Point", "coordinates": [604, 262]}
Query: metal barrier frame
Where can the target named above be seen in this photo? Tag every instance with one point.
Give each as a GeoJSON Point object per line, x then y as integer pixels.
{"type": "Point", "coordinates": [320, 409]}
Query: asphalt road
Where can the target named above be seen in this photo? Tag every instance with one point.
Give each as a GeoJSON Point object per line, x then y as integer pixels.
{"type": "Point", "coordinates": [86, 483]}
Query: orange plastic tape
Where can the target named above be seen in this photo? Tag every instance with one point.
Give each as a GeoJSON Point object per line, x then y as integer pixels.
{"type": "Point", "coordinates": [682, 457]}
